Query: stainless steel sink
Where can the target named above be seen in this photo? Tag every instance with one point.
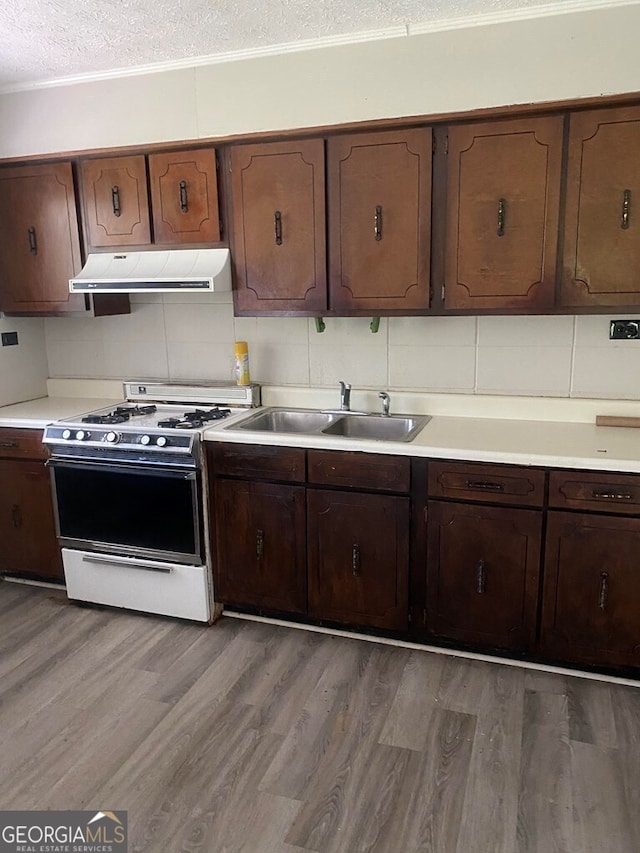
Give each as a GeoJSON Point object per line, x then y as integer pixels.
{"type": "Point", "coordinates": [378, 427]}
{"type": "Point", "coordinates": [287, 420]}
{"type": "Point", "coordinates": [313, 422]}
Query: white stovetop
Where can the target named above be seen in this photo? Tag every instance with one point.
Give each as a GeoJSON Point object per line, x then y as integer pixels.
{"type": "Point", "coordinates": [521, 431]}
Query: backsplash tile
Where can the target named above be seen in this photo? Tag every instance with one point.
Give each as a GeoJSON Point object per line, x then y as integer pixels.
{"type": "Point", "coordinates": [180, 336]}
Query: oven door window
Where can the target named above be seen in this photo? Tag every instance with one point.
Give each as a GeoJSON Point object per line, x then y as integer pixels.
{"type": "Point", "coordinates": [128, 509]}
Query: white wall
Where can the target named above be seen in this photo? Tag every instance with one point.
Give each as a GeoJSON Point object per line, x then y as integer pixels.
{"type": "Point", "coordinates": [23, 368]}
{"type": "Point", "coordinates": [544, 59]}
{"type": "Point", "coordinates": [191, 337]}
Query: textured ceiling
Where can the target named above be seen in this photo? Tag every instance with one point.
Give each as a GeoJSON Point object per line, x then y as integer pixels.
{"type": "Point", "coordinates": [47, 40]}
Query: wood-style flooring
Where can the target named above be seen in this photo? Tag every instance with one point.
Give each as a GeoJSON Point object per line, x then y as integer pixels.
{"type": "Point", "coordinates": [264, 739]}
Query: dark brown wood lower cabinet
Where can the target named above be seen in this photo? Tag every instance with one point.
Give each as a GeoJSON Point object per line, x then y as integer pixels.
{"type": "Point", "coordinates": [28, 543]}
{"type": "Point", "coordinates": [482, 574]}
{"type": "Point", "coordinates": [260, 545]}
{"type": "Point", "coordinates": [358, 553]}
{"type": "Point", "coordinates": [591, 592]}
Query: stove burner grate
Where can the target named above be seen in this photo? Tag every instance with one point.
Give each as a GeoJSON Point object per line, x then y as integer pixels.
{"type": "Point", "coordinates": [119, 415]}
{"type": "Point", "coordinates": [195, 420]}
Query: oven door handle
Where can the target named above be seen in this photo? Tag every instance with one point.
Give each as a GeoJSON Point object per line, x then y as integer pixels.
{"type": "Point", "coordinates": [151, 471]}
{"type": "Point", "coordinates": [138, 564]}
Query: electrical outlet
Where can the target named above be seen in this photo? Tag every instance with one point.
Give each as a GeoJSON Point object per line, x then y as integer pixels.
{"type": "Point", "coordinates": [624, 330]}
{"type": "Point", "coordinates": [9, 339]}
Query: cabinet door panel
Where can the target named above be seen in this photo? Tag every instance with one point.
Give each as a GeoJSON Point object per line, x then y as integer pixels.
{"type": "Point", "coordinates": [379, 188]}
{"type": "Point", "coordinates": [278, 238]}
{"type": "Point", "coordinates": [116, 201]}
{"type": "Point", "coordinates": [482, 574]}
{"type": "Point", "coordinates": [358, 547]}
{"type": "Point", "coordinates": [184, 196]}
{"type": "Point", "coordinates": [28, 543]}
{"type": "Point", "coordinates": [503, 197]}
{"type": "Point", "coordinates": [260, 545]}
{"type": "Point", "coordinates": [601, 245]}
{"type": "Point", "coordinates": [39, 239]}
{"type": "Point", "coordinates": [591, 592]}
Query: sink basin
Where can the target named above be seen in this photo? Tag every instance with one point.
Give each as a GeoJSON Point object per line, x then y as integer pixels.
{"type": "Point", "coordinates": [377, 427]}
{"type": "Point", "coordinates": [287, 420]}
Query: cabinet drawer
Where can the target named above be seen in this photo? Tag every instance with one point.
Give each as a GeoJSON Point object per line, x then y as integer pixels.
{"type": "Point", "coordinates": [619, 493]}
{"type": "Point", "coordinates": [501, 484]}
{"type": "Point", "coordinates": [260, 462]}
{"type": "Point", "coordinates": [359, 470]}
{"type": "Point", "coordinates": [22, 443]}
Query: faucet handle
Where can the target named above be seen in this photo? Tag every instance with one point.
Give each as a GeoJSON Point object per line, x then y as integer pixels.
{"type": "Point", "coordinates": [386, 401]}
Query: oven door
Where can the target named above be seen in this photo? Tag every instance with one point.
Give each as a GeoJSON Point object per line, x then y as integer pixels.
{"type": "Point", "coordinates": [137, 510]}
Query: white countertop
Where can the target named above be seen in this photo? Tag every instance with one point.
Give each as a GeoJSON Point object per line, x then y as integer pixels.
{"type": "Point", "coordinates": [554, 444]}
{"type": "Point", "coordinates": [36, 414]}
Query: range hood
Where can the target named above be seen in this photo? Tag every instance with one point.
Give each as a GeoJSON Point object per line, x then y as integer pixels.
{"type": "Point", "coordinates": [174, 271]}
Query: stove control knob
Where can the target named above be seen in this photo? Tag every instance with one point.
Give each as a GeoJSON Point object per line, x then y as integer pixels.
{"type": "Point", "coordinates": [83, 435]}
{"type": "Point", "coordinates": [112, 437]}
{"type": "Point", "coordinates": [66, 433]}
{"type": "Point", "coordinates": [145, 439]}
{"type": "Point", "coordinates": [161, 441]}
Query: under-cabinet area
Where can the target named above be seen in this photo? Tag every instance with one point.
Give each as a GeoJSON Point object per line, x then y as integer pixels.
{"type": "Point", "coordinates": [522, 561]}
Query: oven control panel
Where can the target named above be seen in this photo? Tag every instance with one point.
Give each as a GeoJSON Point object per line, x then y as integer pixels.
{"type": "Point", "coordinates": [97, 437]}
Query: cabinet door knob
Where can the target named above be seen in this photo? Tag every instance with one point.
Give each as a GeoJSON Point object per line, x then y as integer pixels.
{"type": "Point", "coordinates": [33, 243]}
{"type": "Point", "coordinates": [277, 223]}
{"type": "Point", "coordinates": [115, 200]}
{"type": "Point", "coordinates": [377, 223]}
{"type": "Point", "coordinates": [481, 579]}
{"type": "Point", "coordinates": [355, 561]}
{"type": "Point", "coordinates": [626, 209]}
{"type": "Point", "coordinates": [604, 590]}
{"type": "Point", "coordinates": [184, 204]}
{"type": "Point", "coordinates": [259, 543]}
{"type": "Point", "coordinates": [501, 215]}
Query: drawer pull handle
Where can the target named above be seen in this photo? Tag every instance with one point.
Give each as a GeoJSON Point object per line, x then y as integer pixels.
{"type": "Point", "coordinates": [184, 204]}
{"type": "Point", "coordinates": [485, 486]}
{"type": "Point", "coordinates": [277, 224]}
{"type": "Point", "coordinates": [33, 243]}
{"type": "Point", "coordinates": [115, 200]}
{"type": "Point", "coordinates": [259, 544]}
{"type": "Point", "coordinates": [16, 516]}
{"type": "Point", "coordinates": [481, 577]}
{"type": "Point", "coordinates": [377, 223]}
{"type": "Point", "coordinates": [8, 443]}
{"type": "Point", "coordinates": [612, 496]}
{"type": "Point", "coordinates": [355, 561]}
{"type": "Point", "coordinates": [604, 590]}
{"type": "Point", "coordinates": [626, 209]}
{"type": "Point", "coordinates": [501, 212]}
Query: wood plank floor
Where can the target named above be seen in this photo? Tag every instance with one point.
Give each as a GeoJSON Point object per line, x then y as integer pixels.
{"type": "Point", "coordinates": [265, 739]}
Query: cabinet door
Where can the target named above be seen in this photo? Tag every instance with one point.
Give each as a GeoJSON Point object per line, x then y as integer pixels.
{"type": "Point", "coordinates": [278, 239]}
{"type": "Point", "coordinates": [184, 196]}
{"type": "Point", "coordinates": [260, 545]}
{"type": "Point", "coordinates": [39, 240]}
{"type": "Point", "coordinates": [358, 552]}
{"type": "Point", "coordinates": [591, 591]}
{"type": "Point", "coordinates": [503, 196]}
{"type": "Point", "coordinates": [482, 574]}
{"type": "Point", "coordinates": [28, 543]}
{"type": "Point", "coordinates": [379, 189]}
{"type": "Point", "coordinates": [602, 224]}
{"type": "Point", "coordinates": [116, 202]}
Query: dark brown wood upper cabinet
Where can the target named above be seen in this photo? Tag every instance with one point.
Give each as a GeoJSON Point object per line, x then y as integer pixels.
{"type": "Point", "coordinates": [503, 198]}
{"type": "Point", "coordinates": [278, 240]}
{"type": "Point", "coordinates": [116, 201]}
{"type": "Point", "coordinates": [184, 196]}
{"type": "Point", "coordinates": [379, 190]}
{"type": "Point", "coordinates": [39, 239]}
{"type": "Point", "coordinates": [601, 235]}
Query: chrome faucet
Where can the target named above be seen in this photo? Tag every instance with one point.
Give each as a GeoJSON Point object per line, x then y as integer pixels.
{"type": "Point", "coordinates": [385, 403]}
{"type": "Point", "coordinates": [345, 397]}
